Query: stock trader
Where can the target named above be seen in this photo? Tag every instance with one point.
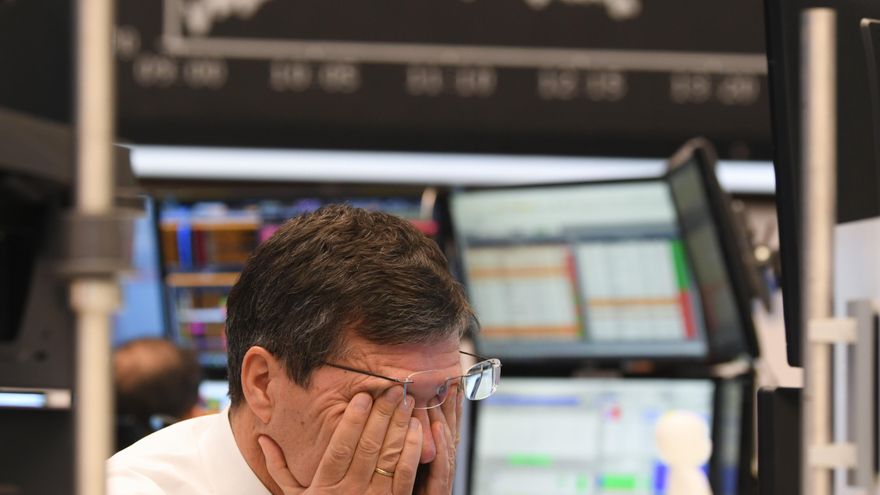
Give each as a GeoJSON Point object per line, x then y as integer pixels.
{"type": "Point", "coordinates": [156, 384]}
{"type": "Point", "coordinates": [345, 371]}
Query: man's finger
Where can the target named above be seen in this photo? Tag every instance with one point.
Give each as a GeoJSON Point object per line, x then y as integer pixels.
{"type": "Point", "coordinates": [395, 438]}
{"type": "Point", "coordinates": [442, 468]}
{"type": "Point", "coordinates": [370, 444]}
{"type": "Point", "coordinates": [407, 466]}
{"type": "Point", "coordinates": [338, 456]}
{"type": "Point", "coordinates": [439, 415]}
{"type": "Point", "coordinates": [450, 409]}
{"type": "Point", "coordinates": [458, 407]}
{"type": "Point", "coordinates": [277, 465]}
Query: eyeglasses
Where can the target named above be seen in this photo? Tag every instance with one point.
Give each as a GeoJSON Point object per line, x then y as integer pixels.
{"type": "Point", "coordinates": [430, 391]}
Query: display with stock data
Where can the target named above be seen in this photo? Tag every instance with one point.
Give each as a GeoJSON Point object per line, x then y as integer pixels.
{"type": "Point", "coordinates": [560, 76]}
{"type": "Point", "coordinates": [206, 244]}
{"type": "Point", "coordinates": [579, 436]}
{"type": "Point", "coordinates": [589, 270]}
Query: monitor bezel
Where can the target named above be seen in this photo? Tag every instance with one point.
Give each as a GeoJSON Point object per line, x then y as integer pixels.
{"type": "Point", "coordinates": [784, 95]}
{"type": "Point", "coordinates": [701, 153]}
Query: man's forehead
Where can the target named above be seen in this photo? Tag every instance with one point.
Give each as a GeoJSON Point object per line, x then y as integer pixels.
{"type": "Point", "coordinates": [409, 358]}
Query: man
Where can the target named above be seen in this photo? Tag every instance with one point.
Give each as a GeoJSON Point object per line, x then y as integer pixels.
{"type": "Point", "coordinates": [155, 381]}
{"type": "Point", "coordinates": [345, 375]}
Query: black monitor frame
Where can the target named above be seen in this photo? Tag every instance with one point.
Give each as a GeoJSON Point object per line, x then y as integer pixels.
{"type": "Point", "coordinates": [783, 73]}
{"type": "Point", "coordinates": [779, 436]}
{"type": "Point", "coordinates": [745, 383]}
{"type": "Point", "coordinates": [735, 247]}
{"type": "Point", "coordinates": [870, 28]}
{"type": "Point", "coordinates": [858, 170]}
{"type": "Point", "coordinates": [736, 261]}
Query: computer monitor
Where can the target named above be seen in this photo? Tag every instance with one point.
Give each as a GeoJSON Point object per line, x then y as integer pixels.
{"type": "Point", "coordinates": [858, 171]}
{"type": "Point", "coordinates": [142, 313]}
{"type": "Point", "coordinates": [584, 270]}
{"type": "Point", "coordinates": [214, 395]}
{"type": "Point", "coordinates": [871, 42]}
{"type": "Point", "coordinates": [205, 244]}
{"type": "Point", "coordinates": [590, 436]}
{"type": "Point", "coordinates": [719, 253]}
{"type": "Point", "coordinates": [21, 232]}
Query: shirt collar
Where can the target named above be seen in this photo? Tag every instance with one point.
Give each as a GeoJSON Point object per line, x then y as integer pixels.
{"type": "Point", "coordinates": [230, 472]}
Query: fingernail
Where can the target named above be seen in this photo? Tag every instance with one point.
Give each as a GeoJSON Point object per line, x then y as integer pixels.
{"type": "Point", "coordinates": [361, 402]}
{"type": "Point", "coordinates": [414, 424]}
{"type": "Point", "coordinates": [394, 394]}
{"type": "Point", "coordinates": [262, 441]}
{"type": "Point", "coordinates": [408, 403]}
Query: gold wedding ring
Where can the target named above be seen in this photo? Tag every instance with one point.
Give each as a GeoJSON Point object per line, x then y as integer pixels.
{"type": "Point", "coordinates": [381, 471]}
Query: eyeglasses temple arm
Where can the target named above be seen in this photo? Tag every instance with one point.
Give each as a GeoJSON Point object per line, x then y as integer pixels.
{"type": "Point", "coordinates": [482, 358]}
{"type": "Point", "coordinates": [353, 370]}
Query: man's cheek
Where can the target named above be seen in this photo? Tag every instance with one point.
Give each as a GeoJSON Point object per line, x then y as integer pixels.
{"type": "Point", "coordinates": [329, 421]}
{"type": "Point", "coordinates": [313, 441]}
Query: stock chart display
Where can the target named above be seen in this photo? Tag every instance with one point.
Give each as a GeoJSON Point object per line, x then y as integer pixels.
{"type": "Point", "coordinates": [595, 269]}
{"type": "Point", "coordinates": [532, 75]}
{"type": "Point", "coordinates": [595, 436]}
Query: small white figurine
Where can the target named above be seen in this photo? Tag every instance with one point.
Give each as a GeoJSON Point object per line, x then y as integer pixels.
{"type": "Point", "coordinates": [685, 446]}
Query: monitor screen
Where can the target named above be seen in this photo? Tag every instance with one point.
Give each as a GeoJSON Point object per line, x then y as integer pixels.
{"type": "Point", "coordinates": [21, 233]}
{"type": "Point", "coordinates": [142, 314]}
{"type": "Point", "coordinates": [26, 400]}
{"type": "Point", "coordinates": [205, 244]}
{"type": "Point", "coordinates": [588, 270]}
{"type": "Point", "coordinates": [578, 436]}
{"type": "Point", "coordinates": [732, 418]}
{"type": "Point", "coordinates": [214, 395]}
{"type": "Point", "coordinates": [727, 315]}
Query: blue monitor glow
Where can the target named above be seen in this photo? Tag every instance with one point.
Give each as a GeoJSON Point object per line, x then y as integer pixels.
{"type": "Point", "coordinates": [578, 436]}
{"type": "Point", "coordinates": [22, 400]}
{"type": "Point", "coordinates": [142, 314]}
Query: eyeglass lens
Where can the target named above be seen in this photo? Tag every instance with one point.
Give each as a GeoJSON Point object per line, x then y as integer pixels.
{"type": "Point", "coordinates": [482, 379]}
{"type": "Point", "coordinates": [479, 382]}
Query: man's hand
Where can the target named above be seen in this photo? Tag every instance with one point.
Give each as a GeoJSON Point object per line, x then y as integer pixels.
{"type": "Point", "coordinates": [384, 437]}
{"type": "Point", "coordinates": [445, 430]}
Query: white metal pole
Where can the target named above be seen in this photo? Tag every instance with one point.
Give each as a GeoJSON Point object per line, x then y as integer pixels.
{"type": "Point", "coordinates": [94, 299]}
{"type": "Point", "coordinates": [818, 158]}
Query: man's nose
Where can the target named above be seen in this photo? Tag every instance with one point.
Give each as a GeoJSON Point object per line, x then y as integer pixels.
{"type": "Point", "coordinates": [429, 449]}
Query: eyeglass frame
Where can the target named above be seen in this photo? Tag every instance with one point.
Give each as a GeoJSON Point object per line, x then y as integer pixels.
{"type": "Point", "coordinates": [408, 379]}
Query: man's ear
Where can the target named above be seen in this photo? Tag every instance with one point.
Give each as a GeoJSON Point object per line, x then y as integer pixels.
{"type": "Point", "coordinates": [259, 369]}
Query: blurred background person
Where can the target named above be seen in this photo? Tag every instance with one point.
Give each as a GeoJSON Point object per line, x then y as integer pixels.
{"type": "Point", "coordinates": [156, 384]}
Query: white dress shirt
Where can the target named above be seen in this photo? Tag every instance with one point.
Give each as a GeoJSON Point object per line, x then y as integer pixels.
{"type": "Point", "coordinates": [194, 457]}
